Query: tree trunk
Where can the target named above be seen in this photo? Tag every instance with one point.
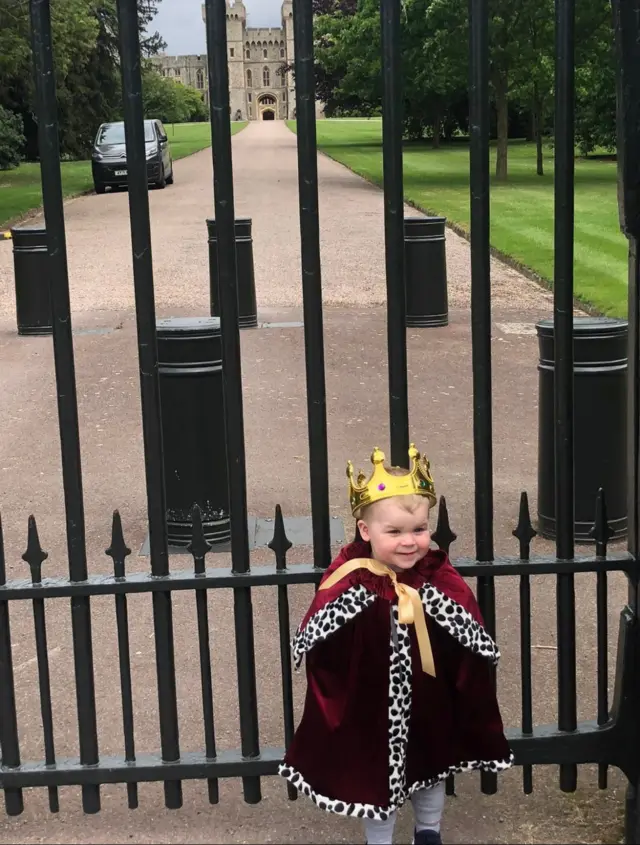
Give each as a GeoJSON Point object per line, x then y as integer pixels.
{"type": "Point", "coordinates": [539, 154]}
{"type": "Point", "coordinates": [502, 109]}
{"type": "Point", "coordinates": [537, 131]}
{"type": "Point", "coordinates": [436, 129]}
{"type": "Point", "coordinates": [531, 128]}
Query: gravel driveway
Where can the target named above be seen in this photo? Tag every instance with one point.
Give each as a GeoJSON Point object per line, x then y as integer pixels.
{"type": "Point", "coordinates": [266, 189]}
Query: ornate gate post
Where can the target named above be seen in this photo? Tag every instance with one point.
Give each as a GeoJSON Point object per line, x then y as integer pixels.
{"type": "Point", "coordinates": [627, 31]}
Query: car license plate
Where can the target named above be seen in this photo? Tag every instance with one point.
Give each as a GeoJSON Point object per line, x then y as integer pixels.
{"type": "Point", "coordinates": [121, 172]}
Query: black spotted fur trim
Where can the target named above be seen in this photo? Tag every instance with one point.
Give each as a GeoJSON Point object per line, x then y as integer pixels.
{"type": "Point", "coordinates": [373, 811]}
{"type": "Point", "coordinates": [328, 619]}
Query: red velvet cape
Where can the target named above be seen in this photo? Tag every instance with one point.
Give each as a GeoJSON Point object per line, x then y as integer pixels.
{"type": "Point", "coordinates": [375, 727]}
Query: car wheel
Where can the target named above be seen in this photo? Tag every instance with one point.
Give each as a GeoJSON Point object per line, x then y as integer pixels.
{"type": "Point", "coordinates": [170, 176]}
{"type": "Point", "coordinates": [162, 181]}
{"type": "Point", "coordinates": [100, 189]}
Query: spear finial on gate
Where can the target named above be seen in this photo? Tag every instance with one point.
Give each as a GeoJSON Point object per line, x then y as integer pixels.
{"type": "Point", "coordinates": [601, 531]}
{"type": "Point", "coordinates": [199, 547]}
{"type": "Point", "coordinates": [118, 551]}
{"type": "Point", "coordinates": [35, 554]}
{"type": "Point", "coordinates": [443, 535]}
{"type": "Point", "coordinates": [524, 531]}
{"type": "Point", "coordinates": [280, 544]}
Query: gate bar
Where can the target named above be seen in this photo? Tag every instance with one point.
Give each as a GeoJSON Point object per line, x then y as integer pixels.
{"type": "Point", "coordinates": [199, 549]}
{"type": "Point", "coordinates": [627, 31]}
{"type": "Point", "coordinates": [35, 557]}
{"type": "Point", "coordinates": [118, 551]}
{"type": "Point", "coordinates": [563, 381]}
{"type": "Point", "coordinates": [216, 24]}
{"type": "Point", "coordinates": [481, 276]}
{"type": "Point", "coordinates": [394, 230]}
{"type": "Point", "coordinates": [129, 44]}
{"type": "Point", "coordinates": [481, 314]}
{"type": "Point", "coordinates": [52, 201]}
{"type": "Point", "coordinates": [312, 279]}
{"type": "Point", "coordinates": [9, 740]}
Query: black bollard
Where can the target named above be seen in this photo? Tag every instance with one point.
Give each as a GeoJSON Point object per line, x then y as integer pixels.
{"type": "Point", "coordinates": [426, 272]}
{"type": "Point", "coordinates": [31, 267]}
{"type": "Point", "coordinates": [600, 424]}
{"type": "Point", "coordinates": [194, 439]}
{"type": "Point", "coordinates": [247, 307]}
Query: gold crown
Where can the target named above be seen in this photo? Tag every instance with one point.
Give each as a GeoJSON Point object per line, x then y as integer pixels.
{"type": "Point", "coordinates": [382, 485]}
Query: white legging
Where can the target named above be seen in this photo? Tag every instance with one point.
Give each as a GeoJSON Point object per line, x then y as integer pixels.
{"type": "Point", "coordinates": [427, 809]}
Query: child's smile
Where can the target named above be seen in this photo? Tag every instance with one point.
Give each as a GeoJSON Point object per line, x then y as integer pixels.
{"type": "Point", "coordinates": [398, 537]}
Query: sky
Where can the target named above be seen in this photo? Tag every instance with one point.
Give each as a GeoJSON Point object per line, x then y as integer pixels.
{"type": "Point", "coordinates": [180, 23]}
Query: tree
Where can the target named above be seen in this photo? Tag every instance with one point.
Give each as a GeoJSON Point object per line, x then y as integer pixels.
{"type": "Point", "coordinates": [86, 58]}
{"type": "Point", "coordinates": [169, 100]}
{"type": "Point", "coordinates": [11, 139]}
{"type": "Point", "coordinates": [195, 105]}
{"type": "Point", "coordinates": [534, 74]}
{"type": "Point", "coordinates": [595, 77]}
{"type": "Point", "coordinates": [436, 67]}
{"type": "Point", "coordinates": [349, 64]}
{"type": "Point", "coordinates": [160, 97]}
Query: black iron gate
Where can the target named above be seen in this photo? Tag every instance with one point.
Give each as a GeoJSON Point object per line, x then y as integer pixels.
{"type": "Point", "coordinates": [613, 739]}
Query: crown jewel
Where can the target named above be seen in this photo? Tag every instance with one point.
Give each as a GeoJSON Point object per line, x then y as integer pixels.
{"type": "Point", "coordinates": [382, 485]}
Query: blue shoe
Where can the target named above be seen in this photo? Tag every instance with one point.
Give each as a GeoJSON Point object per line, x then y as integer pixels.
{"type": "Point", "coordinates": [426, 837]}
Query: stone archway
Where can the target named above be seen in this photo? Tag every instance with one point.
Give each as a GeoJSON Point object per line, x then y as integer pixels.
{"type": "Point", "coordinates": [268, 107]}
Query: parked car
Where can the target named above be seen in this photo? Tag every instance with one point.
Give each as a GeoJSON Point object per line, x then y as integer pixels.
{"type": "Point", "coordinates": [109, 157]}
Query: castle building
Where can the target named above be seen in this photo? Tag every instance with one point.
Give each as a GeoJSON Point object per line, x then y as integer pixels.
{"type": "Point", "coordinates": [259, 87]}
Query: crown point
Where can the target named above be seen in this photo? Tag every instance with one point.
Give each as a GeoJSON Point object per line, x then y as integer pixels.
{"type": "Point", "coordinates": [384, 484]}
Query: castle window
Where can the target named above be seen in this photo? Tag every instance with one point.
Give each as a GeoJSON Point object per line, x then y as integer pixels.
{"type": "Point", "coordinates": [231, 51]}
{"type": "Point", "coordinates": [248, 54]}
{"type": "Point", "coordinates": [283, 79]}
{"type": "Point", "coordinates": [249, 96]}
{"type": "Point", "coordinates": [200, 79]}
{"type": "Point", "coordinates": [264, 54]}
{"type": "Point", "coordinates": [249, 79]}
{"type": "Point", "coordinates": [266, 78]}
{"type": "Point", "coordinates": [282, 54]}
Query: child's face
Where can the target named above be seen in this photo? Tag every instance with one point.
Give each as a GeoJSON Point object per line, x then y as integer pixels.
{"type": "Point", "coordinates": [398, 537]}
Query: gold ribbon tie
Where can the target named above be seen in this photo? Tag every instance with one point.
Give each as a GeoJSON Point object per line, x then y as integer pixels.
{"type": "Point", "coordinates": [410, 609]}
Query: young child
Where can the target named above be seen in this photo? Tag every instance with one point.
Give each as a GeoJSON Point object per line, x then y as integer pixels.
{"type": "Point", "coordinates": [399, 689]}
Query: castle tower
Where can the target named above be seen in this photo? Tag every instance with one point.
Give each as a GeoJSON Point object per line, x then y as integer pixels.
{"type": "Point", "coordinates": [236, 23]}
{"type": "Point", "coordinates": [287, 32]}
{"type": "Point", "coordinates": [257, 90]}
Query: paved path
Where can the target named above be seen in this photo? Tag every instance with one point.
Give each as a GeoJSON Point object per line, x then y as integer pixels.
{"type": "Point", "coordinates": [275, 414]}
{"type": "Point", "coordinates": [266, 189]}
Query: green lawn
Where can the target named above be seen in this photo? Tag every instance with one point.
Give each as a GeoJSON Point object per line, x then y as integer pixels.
{"type": "Point", "coordinates": [20, 190]}
{"type": "Point", "coordinates": [437, 182]}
